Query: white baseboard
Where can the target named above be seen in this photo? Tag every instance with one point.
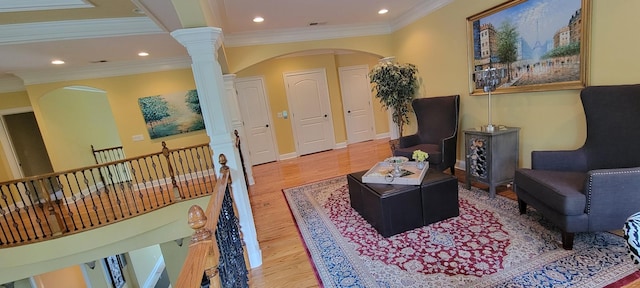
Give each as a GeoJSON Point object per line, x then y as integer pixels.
{"type": "Point", "coordinates": [341, 145]}
{"type": "Point", "coordinates": [288, 156]}
{"type": "Point", "coordinates": [462, 165]}
{"type": "Point", "coordinates": [382, 135]}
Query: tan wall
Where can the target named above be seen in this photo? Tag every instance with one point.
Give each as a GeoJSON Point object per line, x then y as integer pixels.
{"type": "Point", "coordinates": [122, 93]}
{"type": "Point", "coordinates": [70, 277]}
{"type": "Point", "coordinates": [272, 70]}
{"type": "Point", "coordinates": [78, 119]}
{"type": "Point", "coordinates": [437, 44]}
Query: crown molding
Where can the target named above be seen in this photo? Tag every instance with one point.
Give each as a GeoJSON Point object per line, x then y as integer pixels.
{"type": "Point", "coordinates": [303, 34]}
{"type": "Point", "coordinates": [423, 9]}
{"type": "Point", "coordinates": [11, 83]}
{"type": "Point", "coordinates": [76, 29]}
{"type": "Point", "coordinates": [35, 5]}
{"type": "Point", "coordinates": [102, 70]}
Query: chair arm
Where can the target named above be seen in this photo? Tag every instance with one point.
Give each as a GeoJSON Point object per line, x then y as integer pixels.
{"type": "Point", "coordinates": [612, 191]}
{"type": "Point", "coordinates": [409, 140]}
{"type": "Point", "coordinates": [449, 144]}
{"type": "Point", "coordinates": [566, 160]}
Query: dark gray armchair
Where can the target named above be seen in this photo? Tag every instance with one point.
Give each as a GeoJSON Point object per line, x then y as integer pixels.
{"type": "Point", "coordinates": [595, 187]}
{"type": "Point", "coordinates": [437, 134]}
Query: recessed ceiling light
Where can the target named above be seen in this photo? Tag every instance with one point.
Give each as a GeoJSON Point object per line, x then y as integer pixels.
{"type": "Point", "coordinates": [143, 54]}
{"type": "Point", "coordinates": [57, 62]}
{"type": "Point", "coordinates": [258, 19]}
{"type": "Point", "coordinates": [383, 11]}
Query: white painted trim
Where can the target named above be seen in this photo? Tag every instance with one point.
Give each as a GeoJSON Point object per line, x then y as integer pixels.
{"type": "Point", "coordinates": [461, 164]}
{"type": "Point", "coordinates": [155, 274]}
{"type": "Point", "coordinates": [37, 5]}
{"type": "Point", "coordinates": [76, 29]}
{"type": "Point", "coordinates": [84, 88]}
{"type": "Point", "coordinates": [341, 145]}
{"type": "Point", "coordinates": [287, 156]}
{"type": "Point", "coordinates": [382, 135]}
{"type": "Point", "coordinates": [110, 69]}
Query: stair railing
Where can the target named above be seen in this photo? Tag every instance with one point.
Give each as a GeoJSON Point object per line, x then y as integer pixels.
{"type": "Point", "coordinates": [220, 261]}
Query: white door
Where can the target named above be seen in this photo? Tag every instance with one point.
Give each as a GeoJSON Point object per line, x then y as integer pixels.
{"type": "Point", "coordinates": [256, 115]}
{"type": "Point", "coordinates": [308, 97]}
{"type": "Point", "coordinates": [356, 101]}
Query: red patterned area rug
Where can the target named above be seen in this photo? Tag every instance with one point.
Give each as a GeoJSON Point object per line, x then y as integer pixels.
{"type": "Point", "coordinates": [488, 245]}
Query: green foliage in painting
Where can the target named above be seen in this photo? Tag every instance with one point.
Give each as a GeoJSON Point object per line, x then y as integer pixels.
{"type": "Point", "coordinates": [153, 109]}
{"type": "Point", "coordinates": [193, 102]}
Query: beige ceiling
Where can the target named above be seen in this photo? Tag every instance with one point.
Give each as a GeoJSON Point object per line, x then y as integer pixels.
{"type": "Point", "coordinates": [104, 39]}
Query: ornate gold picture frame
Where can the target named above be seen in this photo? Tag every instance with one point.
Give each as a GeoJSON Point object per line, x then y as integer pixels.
{"type": "Point", "coordinates": [534, 45]}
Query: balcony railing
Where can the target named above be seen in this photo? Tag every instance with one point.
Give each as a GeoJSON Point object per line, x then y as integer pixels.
{"type": "Point", "coordinates": [56, 204]}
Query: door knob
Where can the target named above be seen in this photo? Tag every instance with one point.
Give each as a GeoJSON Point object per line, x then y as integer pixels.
{"type": "Point", "coordinates": [325, 115]}
{"type": "Point", "coordinates": [267, 126]}
{"type": "Point", "coordinates": [349, 111]}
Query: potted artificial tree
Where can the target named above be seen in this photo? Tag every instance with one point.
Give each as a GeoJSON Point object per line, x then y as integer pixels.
{"type": "Point", "coordinates": [395, 85]}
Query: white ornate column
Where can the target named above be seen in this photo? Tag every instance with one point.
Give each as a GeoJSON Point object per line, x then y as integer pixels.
{"type": "Point", "coordinates": [202, 43]}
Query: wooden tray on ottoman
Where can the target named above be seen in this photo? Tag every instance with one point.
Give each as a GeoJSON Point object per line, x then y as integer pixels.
{"type": "Point", "coordinates": [379, 174]}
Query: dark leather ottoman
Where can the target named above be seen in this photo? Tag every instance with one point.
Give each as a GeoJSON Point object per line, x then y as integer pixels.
{"type": "Point", "coordinates": [390, 209]}
{"type": "Point", "coordinates": [393, 209]}
{"type": "Point", "coordinates": [439, 197]}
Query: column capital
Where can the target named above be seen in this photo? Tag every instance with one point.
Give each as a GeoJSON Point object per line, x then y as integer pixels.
{"type": "Point", "coordinates": [201, 41]}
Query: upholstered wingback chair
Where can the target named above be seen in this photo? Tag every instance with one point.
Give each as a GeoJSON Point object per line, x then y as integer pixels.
{"type": "Point", "coordinates": [597, 186]}
{"type": "Point", "coordinates": [437, 134]}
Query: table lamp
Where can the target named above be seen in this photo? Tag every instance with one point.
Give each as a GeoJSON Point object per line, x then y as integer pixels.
{"type": "Point", "coordinates": [488, 79]}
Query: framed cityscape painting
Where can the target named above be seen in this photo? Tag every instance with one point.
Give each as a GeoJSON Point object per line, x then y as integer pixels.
{"type": "Point", "coordinates": [533, 45]}
{"type": "Point", "coordinates": [171, 114]}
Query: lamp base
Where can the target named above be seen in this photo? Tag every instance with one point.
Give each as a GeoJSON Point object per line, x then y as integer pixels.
{"type": "Point", "coordinates": [489, 128]}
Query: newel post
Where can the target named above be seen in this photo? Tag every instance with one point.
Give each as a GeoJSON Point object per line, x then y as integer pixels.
{"type": "Point", "coordinates": [197, 221]}
{"type": "Point", "coordinates": [53, 218]}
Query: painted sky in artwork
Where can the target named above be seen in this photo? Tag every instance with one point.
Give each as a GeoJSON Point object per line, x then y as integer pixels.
{"type": "Point", "coordinates": [536, 20]}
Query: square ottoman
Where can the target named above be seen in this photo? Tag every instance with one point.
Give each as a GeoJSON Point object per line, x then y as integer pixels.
{"type": "Point", "coordinates": [390, 209]}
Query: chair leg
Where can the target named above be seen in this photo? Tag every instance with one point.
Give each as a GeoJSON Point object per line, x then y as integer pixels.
{"type": "Point", "coordinates": [567, 240]}
{"type": "Point", "coordinates": [522, 207]}
{"type": "Point", "coordinates": [453, 170]}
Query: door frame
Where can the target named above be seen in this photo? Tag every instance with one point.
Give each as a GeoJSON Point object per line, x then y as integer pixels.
{"type": "Point", "coordinates": [323, 73]}
{"type": "Point", "coordinates": [268, 107]}
{"type": "Point", "coordinates": [5, 139]}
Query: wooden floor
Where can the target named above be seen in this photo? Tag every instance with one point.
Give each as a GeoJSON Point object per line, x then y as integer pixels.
{"type": "Point", "coordinates": [284, 259]}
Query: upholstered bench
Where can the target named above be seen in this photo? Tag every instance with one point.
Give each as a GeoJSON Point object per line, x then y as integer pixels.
{"type": "Point", "coordinates": [393, 209]}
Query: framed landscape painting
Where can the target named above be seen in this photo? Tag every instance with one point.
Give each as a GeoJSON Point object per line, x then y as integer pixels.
{"type": "Point", "coordinates": [533, 45]}
{"type": "Point", "coordinates": [172, 114]}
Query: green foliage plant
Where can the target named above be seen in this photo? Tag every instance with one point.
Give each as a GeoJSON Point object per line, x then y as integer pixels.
{"type": "Point", "coordinates": [395, 86]}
